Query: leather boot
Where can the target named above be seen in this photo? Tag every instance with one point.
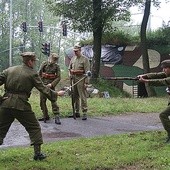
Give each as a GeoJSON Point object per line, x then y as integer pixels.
{"type": "Point", "coordinates": [44, 119]}
{"type": "Point", "coordinates": [1, 142]}
{"type": "Point", "coordinates": [57, 120]}
{"type": "Point", "coordinates": [84, 116]}
{"type": "Point", "coordinates": [37, 153]}
{"type": "Point", "coordinates": [77, 114]}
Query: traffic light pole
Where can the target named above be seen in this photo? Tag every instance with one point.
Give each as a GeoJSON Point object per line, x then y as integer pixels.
{"type": "Point", "coordinates": [10, 36]}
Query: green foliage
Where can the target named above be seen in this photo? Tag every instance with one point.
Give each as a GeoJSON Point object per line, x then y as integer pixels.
{"type": "Point", "coordinates": [115, 38]}
{"type": "Point", "coordinates": [81, 13]}
{"type": "Point", "coordinates": [159, 37]}
{"type": "Point", "coordinates": [30, 12]}
{"type": "Point", "coordinates": [103, 85]}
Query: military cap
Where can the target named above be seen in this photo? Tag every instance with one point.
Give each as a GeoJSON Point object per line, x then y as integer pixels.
{"type": "Point", "coordinates": [30, 55]}
{"type": "Point", "coordinates": [76, 48]}
{"type": "Point", "coordinates": [54, 56]}
{"type": "Point", "coordinates": [165, 63]}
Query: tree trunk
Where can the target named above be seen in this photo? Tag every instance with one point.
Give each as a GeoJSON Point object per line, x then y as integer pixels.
{"type": "Point", "coordinates": [144, 49]}
{"type": "Point", "coordinates": [97, 36]}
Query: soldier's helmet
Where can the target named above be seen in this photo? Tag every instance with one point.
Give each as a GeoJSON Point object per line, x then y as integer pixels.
{"type": "Point", "coordinates": [165, 63]}
{"type": "Point", "coordinates": [28, 56]}
{"type": "Point", "coordinates": [77, 48]}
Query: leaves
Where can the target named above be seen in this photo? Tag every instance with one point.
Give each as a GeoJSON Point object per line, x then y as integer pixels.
{"type": "Point", "coordinates": [81, 13]}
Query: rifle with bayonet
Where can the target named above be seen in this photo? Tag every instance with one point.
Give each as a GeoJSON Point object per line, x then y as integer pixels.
{"type": "Point", "coordinates": [72, 96]}
{"type": "Point", "coordinates": [121, 78]}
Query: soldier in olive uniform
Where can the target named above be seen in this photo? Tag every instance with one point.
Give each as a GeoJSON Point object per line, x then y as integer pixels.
{"type": "Point", "coordinates": [161, 79]}
{"type": "Point", "coordinates": [50, 74]}
{"type": "Point", "coordinates": [78, 66]}
{"type": "Point", "coordinates": [18, 82]}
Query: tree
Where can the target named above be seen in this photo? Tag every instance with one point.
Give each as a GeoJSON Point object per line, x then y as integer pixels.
{"type": "Point", "coordinates": [97, 25]}
{"type": "Point", "coordinates": [144, 48]}
{"type": "Point", "coordinates": [30, 12]}
{"type": "Point", "coordinates": [93, 16]}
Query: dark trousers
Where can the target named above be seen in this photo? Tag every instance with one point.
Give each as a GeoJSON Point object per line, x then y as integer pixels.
{"type": "Point", "coordinates": [164, 116]}
{"type": "Point", "coordinates": [43, 105]}
{"type": "Point", "coordinates": [26, 118]}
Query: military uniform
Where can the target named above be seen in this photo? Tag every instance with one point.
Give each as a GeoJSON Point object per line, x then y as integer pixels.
{"type": "Point", "coordinates": [50, 74]}
{"type": "Point", "coordinates": [18, 82]}
{"type": "Point", "coordinates": [162, 79]}
{"type": "Point", "coordinates": [78, 67]}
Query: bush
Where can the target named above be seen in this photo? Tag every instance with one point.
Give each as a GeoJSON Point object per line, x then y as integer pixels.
{"type": "Point", "coordinates": [159, 37]}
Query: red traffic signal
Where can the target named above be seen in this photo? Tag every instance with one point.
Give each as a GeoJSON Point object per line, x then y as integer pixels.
{"type": "Point", "coordinates": [24, 26]}
{"type": "Point", "coordinates": [40, 26]}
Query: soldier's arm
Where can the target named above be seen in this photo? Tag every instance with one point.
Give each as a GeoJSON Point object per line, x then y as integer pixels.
{"type": "Point", "coordinates": [50, 94]}
{"type": "Point", "coordinates": [58, 77]}
{"type": "Point", "coordinates": [159, 82]}
{"type": "Point", "coordinates": [41, 69]}
{"type": "Point", "coordinates": [86, 68]}
{"type": "Point", "coordinates": [159, 75]}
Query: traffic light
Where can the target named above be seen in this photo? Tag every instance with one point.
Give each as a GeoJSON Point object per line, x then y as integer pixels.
{"type": "Point", "coordinates": [64, 29]}
{"type": "Point", "coordinates": [40, 26]}
{"type": "Point", "coordinates": [46, 48]}
{"type": "Point", "coordinates": [24, 26]}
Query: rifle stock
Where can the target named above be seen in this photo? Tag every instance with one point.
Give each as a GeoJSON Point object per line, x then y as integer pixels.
{"type": "Point", "coordinates": [121, 78]}
{"type": "Point", "coordinates": [72, 97]}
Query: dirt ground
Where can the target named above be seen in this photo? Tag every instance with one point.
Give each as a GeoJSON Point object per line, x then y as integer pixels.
{"type": "Point", "coordinates": [96, 126]}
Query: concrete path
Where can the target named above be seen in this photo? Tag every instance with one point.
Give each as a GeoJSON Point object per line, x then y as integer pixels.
{"type": "Point", "coordinates": [70, 128]}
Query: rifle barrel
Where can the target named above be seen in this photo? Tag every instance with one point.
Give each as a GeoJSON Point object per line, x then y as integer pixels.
{"type": "Point", "coordinates": [121, 78]}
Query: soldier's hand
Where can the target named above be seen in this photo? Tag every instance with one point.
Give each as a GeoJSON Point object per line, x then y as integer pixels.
{"type": "Point", "coordinates": [140, 76]}
{"type": "Point", "coordinates": [141, 79]}
{"type": "Point", "coordinates": [49, 85]}
{"type": "Point", "coordinates": [2, 99]}
{"type": "Point", "coordinates": [61, 93]}
{"type": "Point", "coordinates": [85, 85]}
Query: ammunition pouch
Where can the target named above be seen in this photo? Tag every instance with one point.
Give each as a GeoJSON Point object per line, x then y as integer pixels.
{"type": "Point", "coordinates": [77, 72]}
{"type": "Point", "coordinates": [48, 76]}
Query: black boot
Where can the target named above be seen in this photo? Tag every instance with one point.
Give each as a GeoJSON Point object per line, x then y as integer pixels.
{"type": "Point", "coordinates": [37, 153]}
{"type": "Point", "coordinates": [77, 114]}
{"type": "Point", "coordinates": [44, 119]}
{"type": "Point", "coordinates": [84, 116]}
{"type": "Point", "coordinates": [57, 120]}
{"type": "Point", "coordinates": [1, 142]}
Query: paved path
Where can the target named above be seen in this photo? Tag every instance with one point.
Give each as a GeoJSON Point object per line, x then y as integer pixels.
{"type": "Point", "coordinates": [70, 128]}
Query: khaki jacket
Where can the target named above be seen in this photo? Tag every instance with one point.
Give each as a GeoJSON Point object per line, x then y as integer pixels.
{"type": "Point", "coordinates": [80, 63]}
{"type": "Point", "coordinates": [18, 82]}
{"type": "Point", "coordinates": [50, 69]}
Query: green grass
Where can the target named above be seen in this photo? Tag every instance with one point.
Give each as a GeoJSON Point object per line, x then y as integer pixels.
{"type": "Point", "coordinates": [103, 107]}
{"type": "Point", "coordinates": [139, 151]}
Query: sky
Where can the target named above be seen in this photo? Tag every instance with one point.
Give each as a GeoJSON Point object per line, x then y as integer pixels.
{"type": "Point", "coordinates": [157, 17]}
